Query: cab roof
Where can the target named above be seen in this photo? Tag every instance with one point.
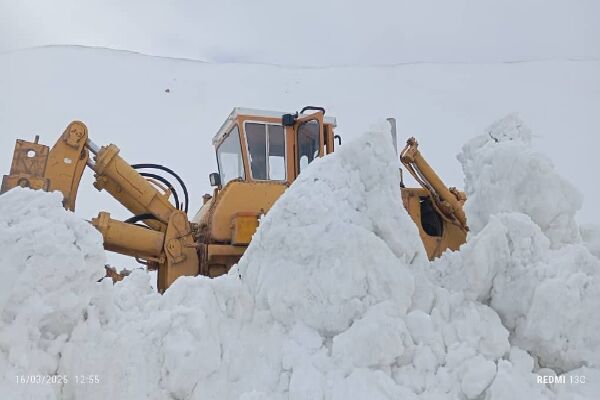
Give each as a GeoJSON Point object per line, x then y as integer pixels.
{"type": "Point", "coordinates": [237, 111]}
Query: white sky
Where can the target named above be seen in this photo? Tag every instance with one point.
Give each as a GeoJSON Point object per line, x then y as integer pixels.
{"type": "Point", "coordinates": [313, 32]}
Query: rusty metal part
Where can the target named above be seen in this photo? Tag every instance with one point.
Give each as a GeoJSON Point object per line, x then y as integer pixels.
{"type": "Point", "coordinates": [58, 169]}
{"type": "Point", "coordinates": [115, 276]}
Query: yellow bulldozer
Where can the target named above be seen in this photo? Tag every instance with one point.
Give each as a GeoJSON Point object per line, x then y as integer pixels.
{"type": "Point", "coordinates": [259, 154]}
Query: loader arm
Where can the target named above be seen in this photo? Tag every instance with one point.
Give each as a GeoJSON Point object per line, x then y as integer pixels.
{"type": "Point", "coordinates": [166, 242]}
{"type": "Point", "coordinates": [447, 201]}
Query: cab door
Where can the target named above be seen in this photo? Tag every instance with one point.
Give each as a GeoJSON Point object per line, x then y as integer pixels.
{"type": "Point", "coordinates": [308, 140]}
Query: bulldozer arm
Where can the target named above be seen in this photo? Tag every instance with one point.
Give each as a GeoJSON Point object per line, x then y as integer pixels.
{"type": "Point", "coordinates": [448, 202]}
{"type": "Point", "coordinates": [164, 243]}
{"type": "Point", "coordinates": [36, 166]}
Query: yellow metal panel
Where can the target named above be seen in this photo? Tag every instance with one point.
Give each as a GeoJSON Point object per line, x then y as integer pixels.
{"type": "Point", "coordinates": [128, 239]}
{"type": "Point", "coordinates": [240, 197]}
{"type": "Point", "coordinates": [66, 162]}
{"type": "Point", "coordinates": [243, 226]}
{"type": "Point", "coordinates": [28, 167]}
{"type": "Point", "coordinates": [180, 249]}
{"type": "Point", "coordinates": [29, 158]}
{"type": "Point", "coordinates": [452, 237]}
{"type": "Point", "coordinates": [35, 166]}
{"type": "Point", "coordinates": [34, 182]}
{"type": "Point", "coordinates": [216, 250]}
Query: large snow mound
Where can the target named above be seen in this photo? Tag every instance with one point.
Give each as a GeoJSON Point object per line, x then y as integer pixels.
{"type": "Point", "coordinates": [504, 173]}
{"type": "Point", "coordinates": [525, 257]}
{"type": "Point", "coordinates": [334, 299]}
{"type": "Point", "coordinates": [50, 261]}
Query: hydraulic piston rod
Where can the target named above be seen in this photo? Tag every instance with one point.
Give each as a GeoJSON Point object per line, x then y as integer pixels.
{"type": "Point", "coordinates": [126, 185]}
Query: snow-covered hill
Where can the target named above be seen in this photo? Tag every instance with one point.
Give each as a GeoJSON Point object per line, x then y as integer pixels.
{"type": "Point", "coordinates": [317, 32]}
{"type": "Point", "coordinates": [122, 97]}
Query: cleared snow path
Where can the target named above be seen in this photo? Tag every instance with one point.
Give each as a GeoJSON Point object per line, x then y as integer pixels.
{"type": "Point", "coordinates": [334, 298]}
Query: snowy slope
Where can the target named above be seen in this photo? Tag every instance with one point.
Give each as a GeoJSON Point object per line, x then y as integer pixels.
{"type": "Point", "coordinates": [122, 98]}
{"type": "Point", "coordinates": [335, 302]}
{"type": "Point", "coordinates": [317, 33]}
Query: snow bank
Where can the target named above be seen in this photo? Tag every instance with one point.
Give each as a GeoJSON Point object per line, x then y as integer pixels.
{"type": "Point", "coordinates": [547, 298]}
{"type": "Point", "coordinates": [333, 300]}
{"type": "Point", "coordinates": [50, 261]}
{"type": "Point", "coordinates": [334, 258]}
{"type": "Point", "coordinates": [525, 257]}
{"type": "Point", "coordinates": [503, 173]}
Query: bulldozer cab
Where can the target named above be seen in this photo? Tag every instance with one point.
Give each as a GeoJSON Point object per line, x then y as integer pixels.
{"type": "Point", "coordinates": [258, 146]}
{"type": "Point", "coordinates": [259, 154]}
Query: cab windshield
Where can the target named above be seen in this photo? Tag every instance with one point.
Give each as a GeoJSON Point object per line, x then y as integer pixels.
{"type": "Point", "coordinates": [266, 148]}
{"type": "Point", "coordinates": [229, 157]}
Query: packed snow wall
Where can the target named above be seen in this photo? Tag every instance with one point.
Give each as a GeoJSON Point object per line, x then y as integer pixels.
{"type": "Point", "coordinates": [334, 298]}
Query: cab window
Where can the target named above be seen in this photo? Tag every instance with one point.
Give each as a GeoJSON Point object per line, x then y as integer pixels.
{"type": "Point", "coordinates": [266, 151]}
{"type": "Point", "coordinates": [229, 157]}
{"type": "Point", "coordinates": [308, 143]}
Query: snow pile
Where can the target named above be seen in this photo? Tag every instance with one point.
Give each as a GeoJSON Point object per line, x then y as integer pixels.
{"type": "Point", "coordinates": [332, 259]}
{"type": "Point", "coordinates": [321, 229]}
{"type": "Point", "coordinates": [50, 261]}
{"type": "Point", "coordinates": [333, 300]}
{"type": "Point", "coordinates": [503, 173]}
{"type": "Point", "coordinates": [532, 269]}
{"type": "Point", "coordinates": [546, 297]}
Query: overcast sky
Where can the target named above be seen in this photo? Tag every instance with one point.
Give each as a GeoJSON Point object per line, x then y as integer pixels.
{"type": "Point", "coordinates": [313, 32]}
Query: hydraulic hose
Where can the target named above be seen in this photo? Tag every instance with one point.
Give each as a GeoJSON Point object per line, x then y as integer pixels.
{"type": "Point", "coordinates": [167, 183]}
{"type": "Point", "coordinates": [172, 173]}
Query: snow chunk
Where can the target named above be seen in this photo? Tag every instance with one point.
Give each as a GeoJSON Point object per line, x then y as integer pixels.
{"type": "Point", "coordinates": [375, 340]}
{"type": "Point", "coordinates": [504, 174]}
{"type": "Point", "coordinates": [590, 234]}
{"type": "Point", "coordinates": [546, 297]}
{"type": "Point", "coordinates": [478, 375]}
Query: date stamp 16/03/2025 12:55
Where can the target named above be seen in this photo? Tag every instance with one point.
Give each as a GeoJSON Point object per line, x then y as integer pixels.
{"type": "Point", "coordinates": [83, 379]}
